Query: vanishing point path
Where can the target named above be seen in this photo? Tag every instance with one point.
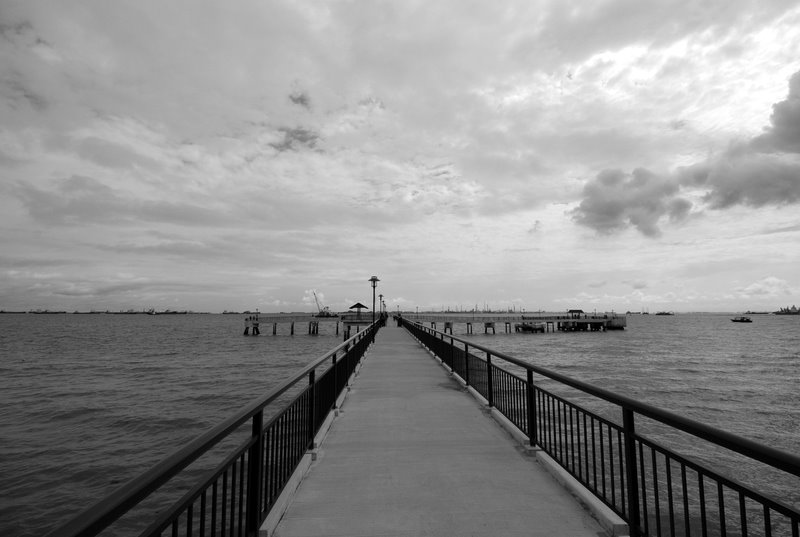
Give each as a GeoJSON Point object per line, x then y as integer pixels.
{"type": "Point", "coordinates": [412, 453]}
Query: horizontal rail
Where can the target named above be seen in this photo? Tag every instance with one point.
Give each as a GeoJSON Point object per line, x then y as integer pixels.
{"type": "Point", "coordinates": [766, 454]}
{"type": "Point", "coordinates": [655, 489]}
{"type": "Point", "coordinates": [99, 516]}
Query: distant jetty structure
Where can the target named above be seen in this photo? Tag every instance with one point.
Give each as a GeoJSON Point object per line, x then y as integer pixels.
{"type": "Point", "coordinates": [574, 320]}
{"type": "Point", "coordinates": [346, 321]}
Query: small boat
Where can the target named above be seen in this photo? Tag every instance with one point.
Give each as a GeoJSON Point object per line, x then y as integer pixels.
{"type": "Point", "coordinates": [742, 319]}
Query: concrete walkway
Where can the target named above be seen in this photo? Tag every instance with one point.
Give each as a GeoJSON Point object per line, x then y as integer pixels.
{"type": "Point", "coordinates": [412, 453]}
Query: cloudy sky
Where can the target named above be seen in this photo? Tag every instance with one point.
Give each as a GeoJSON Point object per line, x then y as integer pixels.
{"type": "Point", "coordinates": [610, 155]}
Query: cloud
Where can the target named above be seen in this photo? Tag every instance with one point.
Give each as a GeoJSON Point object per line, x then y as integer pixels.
{"type": "Point", "coordinates": [769, 287]}
{"type": "Point", "coordinates": [112, 155]}
{"type": "Point", "coordinates": [743, 177]}
{"type": "Point", "coordinates": [764, 171]}
{"type": "Point", "coordinates": [296, 138]}
{"type": "Point", "coordinates": [301, 99]}
{"type": "Point", "coordinates": [614, 201]}
{"type": "Point", "coordinates": [309, 133]}
{"type": "Point", "coordinates": [81, 200]}
{"type": "Point", "coordinates": [784, 134]}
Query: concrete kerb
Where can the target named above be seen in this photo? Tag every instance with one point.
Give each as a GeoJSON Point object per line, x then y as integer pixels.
{"type": "Point", "coordinates": [285, 498]}
{"type": "Point", "coordinates": [611, 522]}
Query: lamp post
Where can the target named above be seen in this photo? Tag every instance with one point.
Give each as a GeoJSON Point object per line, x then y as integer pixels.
{"type": "Point", "coordinates": [380, 304]}
{"type": "Point", "coordinates": [374, 281]}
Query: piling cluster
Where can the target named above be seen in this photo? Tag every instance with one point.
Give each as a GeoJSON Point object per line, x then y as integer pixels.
{"type": "Point", "coordinates": [251, 325]}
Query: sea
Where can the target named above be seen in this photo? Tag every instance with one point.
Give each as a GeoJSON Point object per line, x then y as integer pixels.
{"type": "Point", "coordinates": [88, 402]}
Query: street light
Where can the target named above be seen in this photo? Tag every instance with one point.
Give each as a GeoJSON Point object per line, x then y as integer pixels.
{"type": "Point", "coordinates": [380, 304]}
{"type": "Point", "coordinates": [374, 281]}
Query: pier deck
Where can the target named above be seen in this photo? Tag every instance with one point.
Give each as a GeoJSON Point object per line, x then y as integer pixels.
{"type": "Point", "coordinates": [412, 453]}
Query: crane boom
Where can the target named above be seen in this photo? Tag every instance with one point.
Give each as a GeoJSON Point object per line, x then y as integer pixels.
{"type": "Point", "coordinates": [324, 311]}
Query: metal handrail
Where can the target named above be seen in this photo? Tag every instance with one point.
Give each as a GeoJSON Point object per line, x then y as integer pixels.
{"type": "Point", "coordinates": [766, 454]}
{"type": "Point", "coordinates": [99, 516]}
{"type": "Point", "coordinates": [557, 426]}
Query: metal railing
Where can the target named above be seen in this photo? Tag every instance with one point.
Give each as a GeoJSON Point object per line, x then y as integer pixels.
{"type": "Point", "coordinates": [656, 490]}
{"type": "Point", "coordinates": [236, 496]}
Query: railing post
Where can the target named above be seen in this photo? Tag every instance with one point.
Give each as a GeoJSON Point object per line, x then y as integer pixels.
{"type": "Point", "coordinates": [466, 368]}
{"type": "Point", "coordinates": [631, 478]}
{"type": "Point", "coordinates": [255, 471]}
{"type": "Point", "coordinates": [489, 388]}
{"type": "Point", "coordinates": [312, 411]}
{"type": "Point", "coordinates": [531, 409]}
{"type": "Point", "coordinates": [335, 381]}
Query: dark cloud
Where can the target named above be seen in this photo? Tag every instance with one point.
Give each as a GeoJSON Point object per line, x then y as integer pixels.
{"type": "Point", "coordinates": [764, 171]}
{"type": "Point", "coordinates": [784, 134]}
{"type": "Point", "coordinates": [614, 201]}
{"type": "Point", "coordinates": [301, 98]}
{"type": "Point", "coordinates": [18, 31]}
{"type": "Point", "coordinates": [749, 179]}
{"type": "Point", "coordinates": [296, 138]}
{"type": "Point", "coordinates": [18, 94]}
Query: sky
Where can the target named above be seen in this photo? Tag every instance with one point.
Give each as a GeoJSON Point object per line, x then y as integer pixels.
{"type": "Point", "coordinates": [530, 155]}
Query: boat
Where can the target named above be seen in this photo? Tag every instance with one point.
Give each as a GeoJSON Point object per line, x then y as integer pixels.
{"type": "Point", "coordinates": [665, 313]}
{"type": "Point", "coordinates": [742, 319]}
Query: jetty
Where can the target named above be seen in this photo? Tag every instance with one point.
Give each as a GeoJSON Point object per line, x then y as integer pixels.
{"type": "Point", "coordinates": [574, 320]}
{"type": "Point", "coordinates": [403, 429]}
{"type": "Point", "coordinates": [413, 453]}
{"type": "Point", "coordinates": [347, 321]}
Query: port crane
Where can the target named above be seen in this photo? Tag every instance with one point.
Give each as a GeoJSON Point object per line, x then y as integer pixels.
{"type": "Point", "coordinates": [324, 311]}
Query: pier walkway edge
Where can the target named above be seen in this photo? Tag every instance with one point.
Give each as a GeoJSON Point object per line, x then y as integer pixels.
{"type": "Point", "coordinates": [412, 453]}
